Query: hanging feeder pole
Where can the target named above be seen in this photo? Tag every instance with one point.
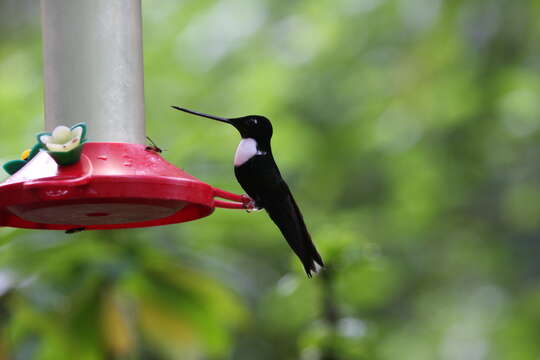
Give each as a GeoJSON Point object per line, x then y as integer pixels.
{"type": "Point", "coordinates": [93, 67]}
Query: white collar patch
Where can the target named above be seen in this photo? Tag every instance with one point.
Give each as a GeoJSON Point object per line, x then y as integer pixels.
{"type": "Point", "coordinates": [245, 151]}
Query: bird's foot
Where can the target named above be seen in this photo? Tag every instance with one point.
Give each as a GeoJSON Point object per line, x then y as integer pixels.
{"type": "Point", "coordinates": [249, 204]}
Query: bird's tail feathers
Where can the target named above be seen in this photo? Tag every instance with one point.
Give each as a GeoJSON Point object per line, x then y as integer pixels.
{"type": "Point", "coordinates": [287, 216]}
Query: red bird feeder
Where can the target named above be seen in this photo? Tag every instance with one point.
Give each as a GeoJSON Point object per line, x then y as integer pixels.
{"type": "Point", "coordinates": [113, 186]}
{"type": "Point", "coordinates": [118, 182]}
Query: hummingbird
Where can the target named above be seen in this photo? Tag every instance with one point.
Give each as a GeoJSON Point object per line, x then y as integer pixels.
{"type": "Point", "coordinates": [258, 174]}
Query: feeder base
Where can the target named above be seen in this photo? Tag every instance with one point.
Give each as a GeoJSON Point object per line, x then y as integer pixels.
{"type": "Point", "coordinates": [113, 186]}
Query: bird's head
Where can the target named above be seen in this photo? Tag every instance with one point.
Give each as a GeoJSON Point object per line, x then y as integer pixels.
{"type": "Point", "coordinates": [252, 126]}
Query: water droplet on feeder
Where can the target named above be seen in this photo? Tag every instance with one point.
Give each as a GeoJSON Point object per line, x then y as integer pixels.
{"type": "Point", "coordinates": [56, 193]}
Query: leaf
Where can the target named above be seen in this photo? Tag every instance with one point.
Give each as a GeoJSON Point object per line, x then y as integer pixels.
{"type": "Point", "coordinates": [11, 167]}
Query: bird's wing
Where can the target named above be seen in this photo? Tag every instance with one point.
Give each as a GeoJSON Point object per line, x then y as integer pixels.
{"type": "Point", "coordinates": [287, 216]}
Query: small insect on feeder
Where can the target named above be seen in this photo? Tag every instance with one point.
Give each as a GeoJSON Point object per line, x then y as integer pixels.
{"type": "Point", "coordinates": [112, 181]}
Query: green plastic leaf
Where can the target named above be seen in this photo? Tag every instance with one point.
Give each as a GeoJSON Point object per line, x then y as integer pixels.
{"type": "Point", "coordinates": [34, 151]}
{"type": "Point", "coordinates": [11, 167]}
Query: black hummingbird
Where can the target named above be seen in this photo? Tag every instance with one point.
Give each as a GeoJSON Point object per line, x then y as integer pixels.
{"type": "Point", "coordinates": [259, 176]}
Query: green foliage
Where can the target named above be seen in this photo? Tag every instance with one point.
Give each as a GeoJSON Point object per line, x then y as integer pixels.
{"type": "Point", "coordinates": [408, 132]}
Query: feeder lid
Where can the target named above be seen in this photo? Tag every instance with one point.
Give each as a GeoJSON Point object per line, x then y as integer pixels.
{"type": "Point", "coordinates": [113, 186]}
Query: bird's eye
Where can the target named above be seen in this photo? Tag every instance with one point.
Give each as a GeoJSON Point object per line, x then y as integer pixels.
{"type": "Point", "coordinates": [253, 121]}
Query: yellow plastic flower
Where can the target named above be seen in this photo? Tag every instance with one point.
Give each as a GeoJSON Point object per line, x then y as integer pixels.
{"type": "Point", "coordinates": [25, 154]}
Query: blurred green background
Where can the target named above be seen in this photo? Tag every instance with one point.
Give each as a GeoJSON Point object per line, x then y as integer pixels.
{"type": "Point", "coordinates": [408, 131]}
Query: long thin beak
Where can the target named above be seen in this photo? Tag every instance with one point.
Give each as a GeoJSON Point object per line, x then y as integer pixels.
{"type": "Point", "coordinates": [202, 114]}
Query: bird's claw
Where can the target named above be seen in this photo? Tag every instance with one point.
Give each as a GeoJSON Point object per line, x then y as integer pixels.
{"type": "Point", "coordinates": [249, 204]}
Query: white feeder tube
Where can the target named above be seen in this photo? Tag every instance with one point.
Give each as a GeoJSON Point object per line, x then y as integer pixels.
{"type": "Point", "coordinates": [93, 67]}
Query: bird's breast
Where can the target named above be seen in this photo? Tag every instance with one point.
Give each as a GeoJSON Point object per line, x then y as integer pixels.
{"type": "Point", "coordinates": [245, 151]}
